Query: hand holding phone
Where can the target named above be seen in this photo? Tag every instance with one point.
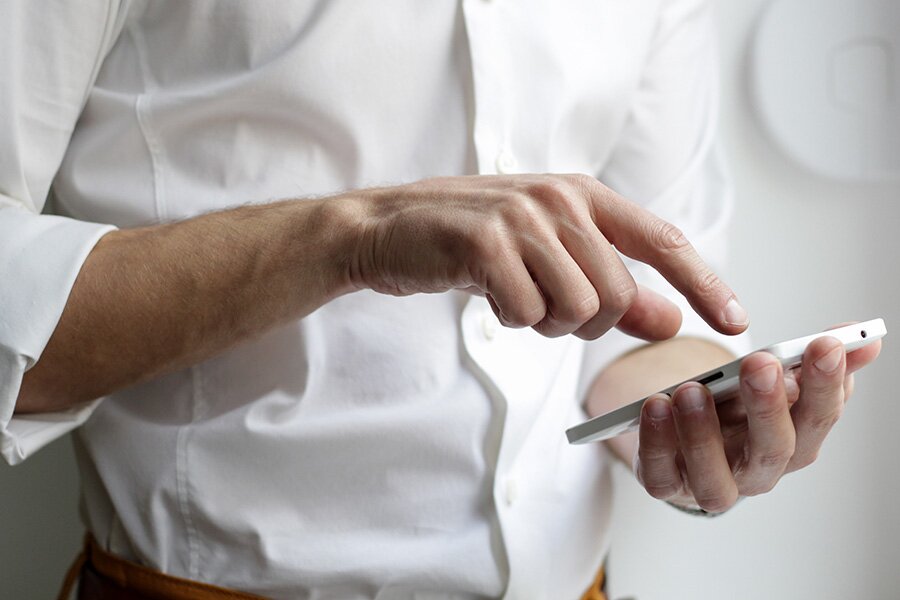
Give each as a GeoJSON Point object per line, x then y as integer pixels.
{"type": "Point", "coordinates": [723, 381]}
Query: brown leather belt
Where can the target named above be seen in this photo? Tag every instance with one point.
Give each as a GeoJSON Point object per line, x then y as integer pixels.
{"type": "Point", "coordinates": [105, 576]}
{"type": "Point", "coordinates": [597, 591]}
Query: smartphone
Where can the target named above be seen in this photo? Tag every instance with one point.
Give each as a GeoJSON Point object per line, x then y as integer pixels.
{"type": "Point", "coordinates": [723, 382]}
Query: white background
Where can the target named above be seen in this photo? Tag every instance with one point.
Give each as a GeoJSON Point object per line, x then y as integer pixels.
{"type": "Point", "coordinates": [806, 253]}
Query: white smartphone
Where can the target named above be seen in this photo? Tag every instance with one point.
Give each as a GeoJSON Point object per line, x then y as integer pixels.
{"type": "Point", "coordinates": [723, 381]}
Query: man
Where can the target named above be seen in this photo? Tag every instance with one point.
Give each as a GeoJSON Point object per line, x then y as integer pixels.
{"type": "Point", "coordinates": [360, 391]}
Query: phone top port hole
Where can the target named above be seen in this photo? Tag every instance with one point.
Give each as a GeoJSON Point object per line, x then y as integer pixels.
{"type": "Point", "coordinates": [863, 333]}
{"type": "Point", "coordinates": [711, 378]}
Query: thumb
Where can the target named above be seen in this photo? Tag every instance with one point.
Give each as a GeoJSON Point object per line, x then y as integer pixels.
{"type": "Point", "coordinates": [651, 317]}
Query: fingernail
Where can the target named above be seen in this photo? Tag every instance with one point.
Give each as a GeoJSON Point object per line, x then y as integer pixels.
{"type": "Point", "coordinates": [830, 361]}
{"type": "Point", "coordinates": [735, 313]}
{"type": "Point", "coordinates": [691, 399]}
{"type": "Point", "coordinates": [657, 409]}
{"type": "Point", "coordinates": [763, 380]}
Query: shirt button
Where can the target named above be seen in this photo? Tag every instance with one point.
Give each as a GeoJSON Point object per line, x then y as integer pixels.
{"type": "Point", "coordinates": [488, 326]}
{"type": "Point", "coordinates": [511, 493]}
{"type": "Point", "coordinates": [506, 163]}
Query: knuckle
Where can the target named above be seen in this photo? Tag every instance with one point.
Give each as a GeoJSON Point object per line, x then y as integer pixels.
{"type": "Point", "coordinates": [547, 189]}
{"type": "Point", "coordinates": [694, 443]}
{"type": "Point", "coordinates": [521, 309]}
{"type": "Point", "coordinates": [556, 195]}
{"type": "Point", "coordinates": [758, 488]}
{"type": "Point", "coordinates": [824, 422]}
{"type": "Point", "coordinates": [583, 180]}
{"type": "Point", "coordinates": [717, 503]}
{"type": "Point", "coordinates": [581, 311]}
{"type": "Point", "coordinates": [668, 237]}
{"type": "Point", "coordinates": [661, 491]}
{"type": "Point", "coordinates": [551, 328]}
{"type": "Point", "coordinates": [488, 236]}
{"type": "Point", "coordinates": [599, 324]}
{"type": "Point", "coordinates": [591, 331]}
{"type": "Point", "coordinates": [548, 326]}
{"type": "Point", "coordinates": [770, 411]}
{"type": "Point", "coordinates": [621, 299]}
{"type": "Point", "coordinates": [587, 185]}
{"type": "Point", "coordinates": [801, 461]}
{"type": "Point", "coordinates": [707, 283]}
{"type": "Point", "coordinates": [523, 315]}
{"type": "Point", "coordinates": [654, 455]}
{"type": "Point", "coordinates": [522, 213]}
{"type": "Point", "coordinates": [774, 459]}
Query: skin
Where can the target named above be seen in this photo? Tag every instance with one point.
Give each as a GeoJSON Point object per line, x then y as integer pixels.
{"type": "Point", "coordinates": [708, 457]}
{"type": "Point", "coordinates": [156, 299]}
{"type": "Point", "coordinates": [541, 248]}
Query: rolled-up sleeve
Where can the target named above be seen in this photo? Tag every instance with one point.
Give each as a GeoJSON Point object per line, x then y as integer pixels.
{"type": "Point", "coordinates": [668, 160]}
{"type": "Point", "coordinates": [50, 53]}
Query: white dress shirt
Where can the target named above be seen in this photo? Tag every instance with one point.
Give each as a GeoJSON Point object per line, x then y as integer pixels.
{"type": "Point", "coordinates": [381, 447]}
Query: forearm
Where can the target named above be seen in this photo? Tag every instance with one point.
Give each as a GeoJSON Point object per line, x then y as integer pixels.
{"type": "Point", "coordinates": [155, 299]}
{"type": "Point", "coordinates": [647, 370]}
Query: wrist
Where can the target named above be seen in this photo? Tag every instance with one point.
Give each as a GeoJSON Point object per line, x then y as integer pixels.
{"type": "Point", "coordinates": [343, 224]}
{"type": "Point", "coordinates": [372, 243]}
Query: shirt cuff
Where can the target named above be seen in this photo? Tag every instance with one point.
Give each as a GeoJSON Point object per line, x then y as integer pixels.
{"type": "Point", "coordinates": [40, 257]}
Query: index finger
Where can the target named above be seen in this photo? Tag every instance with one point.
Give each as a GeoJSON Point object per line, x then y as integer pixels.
{"type": "Point", "coordinates": [638, 233]}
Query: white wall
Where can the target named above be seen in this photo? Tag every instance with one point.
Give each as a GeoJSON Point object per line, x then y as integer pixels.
{"type": "Point", "coordinates": [40, 533]}
{"type": "Point", "coordinates": [806, 253]}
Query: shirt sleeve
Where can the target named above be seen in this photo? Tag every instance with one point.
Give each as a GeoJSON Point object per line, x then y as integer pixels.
{"type": "Point", "coordinates": [50, 53]}
{"type": "Point", "coordinates": [668, 160]}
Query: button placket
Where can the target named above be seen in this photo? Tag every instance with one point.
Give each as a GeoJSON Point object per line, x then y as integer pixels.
{"type": "Point", "coordinates": [485, 29]}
